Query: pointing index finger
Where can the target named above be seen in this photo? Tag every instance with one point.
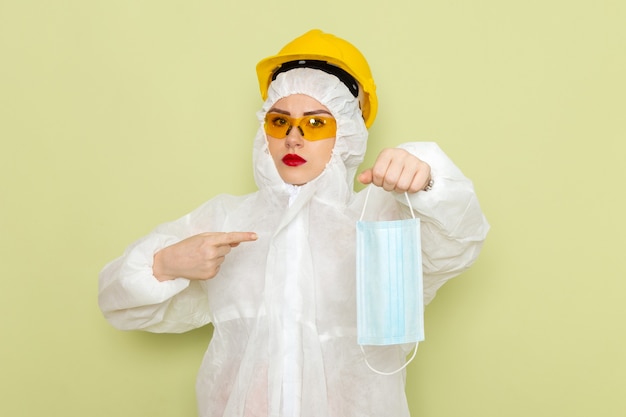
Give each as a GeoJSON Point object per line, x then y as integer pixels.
{"type": "Point", "coordinates": [235, 238]}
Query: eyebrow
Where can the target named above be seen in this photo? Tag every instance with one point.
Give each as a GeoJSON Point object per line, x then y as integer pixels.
{"type": "Point", "coordinates": [306, 113]}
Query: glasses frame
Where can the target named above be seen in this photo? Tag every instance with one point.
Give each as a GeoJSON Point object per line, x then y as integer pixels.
{"type": "Point", "coordinates": [312, 134]}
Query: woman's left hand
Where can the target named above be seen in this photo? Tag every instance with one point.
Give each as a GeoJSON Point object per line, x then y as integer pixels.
{"type": "Point", "coordinates": [397, 170]}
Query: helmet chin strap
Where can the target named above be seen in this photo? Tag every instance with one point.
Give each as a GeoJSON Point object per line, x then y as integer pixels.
{"type": "Point", "coordinates": [343, 76]}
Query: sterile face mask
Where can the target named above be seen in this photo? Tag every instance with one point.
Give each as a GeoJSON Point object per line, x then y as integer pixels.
{"type": "Point", "coordinates": [390, 308]}
{"type": "Point", "coordinates": [312, 127]}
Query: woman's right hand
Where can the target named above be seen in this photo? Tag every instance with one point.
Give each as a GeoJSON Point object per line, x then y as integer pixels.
{"type": "Point", "coordinates": [198, 257]}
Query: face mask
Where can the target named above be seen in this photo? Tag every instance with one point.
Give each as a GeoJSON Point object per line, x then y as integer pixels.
{"type": "Point", "coordinates": [390, 307]}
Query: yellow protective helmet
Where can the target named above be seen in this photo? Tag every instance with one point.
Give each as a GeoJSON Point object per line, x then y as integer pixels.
{"type": "Point", "coordinates": [318, 49]}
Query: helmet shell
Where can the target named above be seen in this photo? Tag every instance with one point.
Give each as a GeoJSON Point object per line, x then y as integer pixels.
{"type": "Point", "coordinates": [321, 46]}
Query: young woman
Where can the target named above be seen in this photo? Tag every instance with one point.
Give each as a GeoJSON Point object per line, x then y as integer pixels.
{"type": "Point", "coordinates": [274, 271]}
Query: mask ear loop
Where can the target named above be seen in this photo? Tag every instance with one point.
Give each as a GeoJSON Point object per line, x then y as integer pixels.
{"type": "Point", "coordinates": [392, 372]}
{"type": "Point", "coordinates": [367, 195]}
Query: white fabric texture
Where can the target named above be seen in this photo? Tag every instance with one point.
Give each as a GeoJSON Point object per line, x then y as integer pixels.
{"type": "Point", "coordinates": [283, 307]}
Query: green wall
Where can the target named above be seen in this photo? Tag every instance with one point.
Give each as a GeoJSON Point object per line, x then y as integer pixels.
{"type": "Point", "coordinates": [118, 115]}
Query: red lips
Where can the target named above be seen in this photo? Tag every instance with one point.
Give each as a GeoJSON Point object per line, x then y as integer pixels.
{"type": "Point", "coordinates": [293, 160]}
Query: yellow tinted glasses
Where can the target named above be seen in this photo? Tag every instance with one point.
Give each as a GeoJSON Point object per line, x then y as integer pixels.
{"type": "Point", "coordinates": [314, 127]}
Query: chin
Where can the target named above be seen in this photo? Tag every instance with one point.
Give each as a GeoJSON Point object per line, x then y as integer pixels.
{"type": "Point", "coordinates": [296, 176]}
{"type": "Point", "coordinates": [296, 179]}
{"type": "Point", "coordinates": [291, 181]}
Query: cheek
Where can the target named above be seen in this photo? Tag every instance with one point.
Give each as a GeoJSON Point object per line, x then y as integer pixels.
{"type": "Point", "coordinates": [326, 150]}
{"type": "Point", "coordinates": [274, 146]}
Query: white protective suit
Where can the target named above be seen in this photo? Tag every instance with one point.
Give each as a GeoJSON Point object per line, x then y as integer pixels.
{"type": "Point", "coordinates": [283, 307]}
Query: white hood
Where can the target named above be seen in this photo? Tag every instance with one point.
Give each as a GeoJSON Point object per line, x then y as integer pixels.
{"type": "Point", "coordinates": [337, 180]}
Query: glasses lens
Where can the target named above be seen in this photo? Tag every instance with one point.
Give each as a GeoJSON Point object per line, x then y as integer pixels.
{"type": "Point", "coordinates": [277, 125]}
{"type": "Point", "coordinates": [318, 127]}
{"type": "Point", "coordinates": [312, 127]}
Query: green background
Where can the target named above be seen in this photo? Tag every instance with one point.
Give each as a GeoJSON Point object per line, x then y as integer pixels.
{"type": "Point", "coordinates": [118, 115]}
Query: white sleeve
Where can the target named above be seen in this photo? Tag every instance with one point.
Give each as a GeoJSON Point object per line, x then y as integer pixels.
{"type": "Point", "coordinates": [131, 298]}
{"type": "Point", "coordinates": [453, 226]}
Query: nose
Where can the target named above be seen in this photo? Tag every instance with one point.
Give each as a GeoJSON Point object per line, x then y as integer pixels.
{"type": "Point", "coordinates": [294, 138]}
